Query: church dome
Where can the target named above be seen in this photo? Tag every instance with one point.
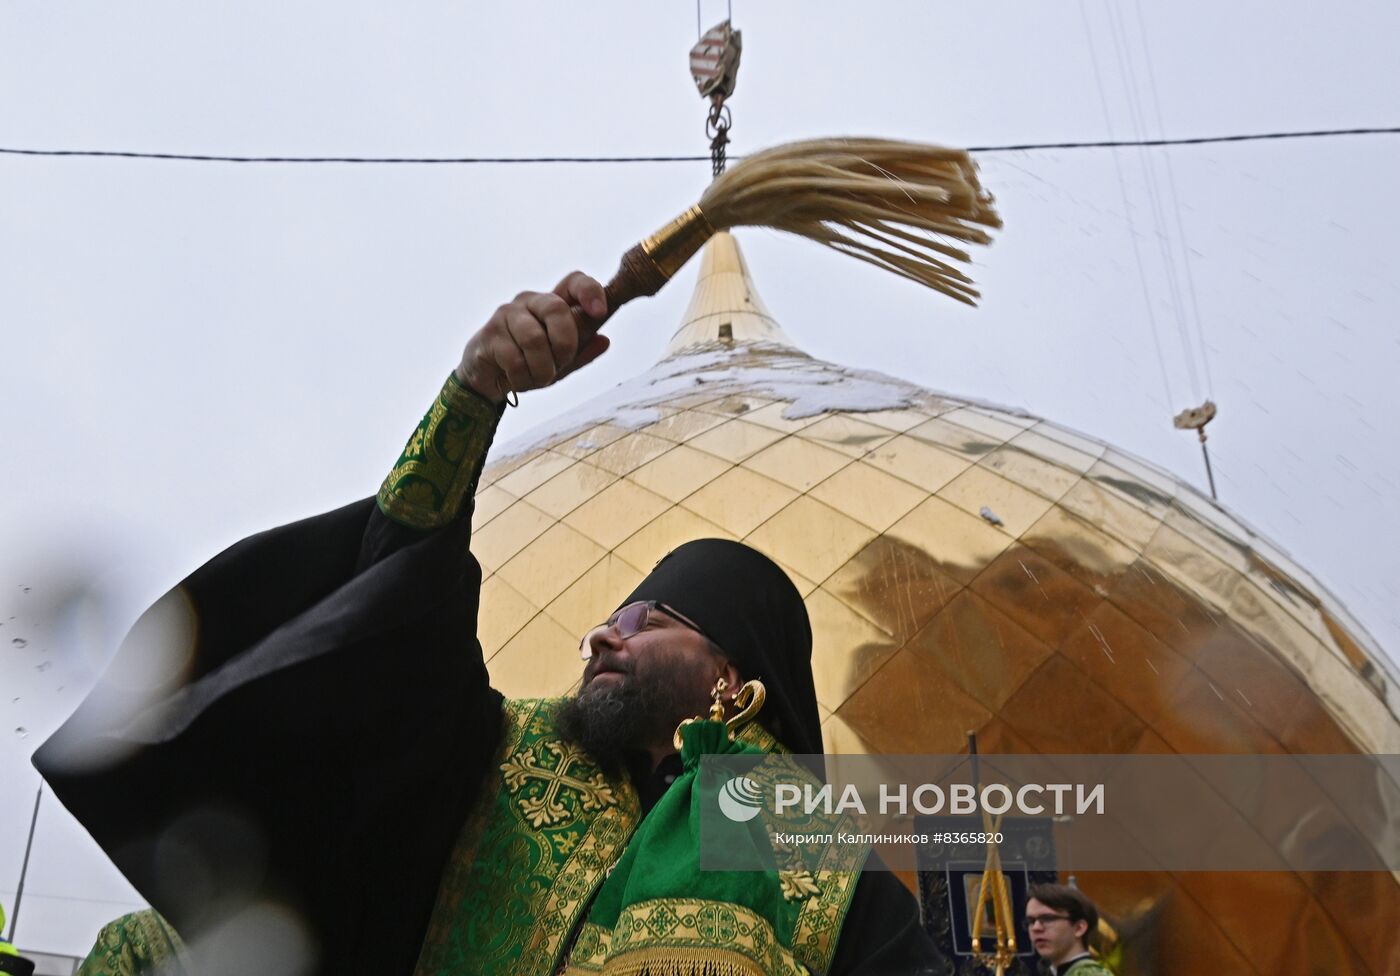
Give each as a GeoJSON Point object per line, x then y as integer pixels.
{"type": "Point", "coordinates": [966, 567]}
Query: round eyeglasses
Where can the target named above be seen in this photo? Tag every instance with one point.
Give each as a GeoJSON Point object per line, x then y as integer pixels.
{"type": "Point", "coordinates": [632, 619]}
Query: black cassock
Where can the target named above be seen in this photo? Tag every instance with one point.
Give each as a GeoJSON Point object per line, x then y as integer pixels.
{"type": "Point", "coordinates": [337, 700]}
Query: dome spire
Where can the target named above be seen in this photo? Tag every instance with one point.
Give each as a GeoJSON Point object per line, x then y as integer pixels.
{"type": "Point", "coordinates": [725, 308]}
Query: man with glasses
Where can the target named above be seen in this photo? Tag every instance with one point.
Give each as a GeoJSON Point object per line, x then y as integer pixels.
{"type": "Point", "coordinates": [1062, 922]}
{"type": "Point", "coordinates": [306, 724]}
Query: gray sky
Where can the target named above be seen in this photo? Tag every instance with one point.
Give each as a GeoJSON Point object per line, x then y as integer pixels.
{"type": "Point", "coordinates": [192, 352]}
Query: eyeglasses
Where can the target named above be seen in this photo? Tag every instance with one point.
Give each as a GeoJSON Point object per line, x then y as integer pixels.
{"type": "Point", "coordinates": [1044, 920]}
{"type": "Point", "coordinates": [632, 620]}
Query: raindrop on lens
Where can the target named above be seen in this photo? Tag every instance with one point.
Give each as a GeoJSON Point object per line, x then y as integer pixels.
{"type": "Point", "coordinates": [42, 667]}
{"type": "Point", "coordinates": [22, 732]}
{"type": "Point", "coordinates": [20, 642]}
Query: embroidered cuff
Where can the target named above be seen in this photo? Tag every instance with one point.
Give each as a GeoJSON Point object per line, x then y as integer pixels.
{"type": "Point", "coordinates": [434, 479]}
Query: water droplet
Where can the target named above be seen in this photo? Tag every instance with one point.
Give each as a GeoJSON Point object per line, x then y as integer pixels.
{"type": "Point", "coordinates": [20, 642]}
{"type": "Point", "coordinates": [43, 667]}
{"type": "Point", "coordinates": [24, 589]}
{"type": "Point", "coordinates": [15, 700]}
{"type": "Point", "coordinates": [22, 732]}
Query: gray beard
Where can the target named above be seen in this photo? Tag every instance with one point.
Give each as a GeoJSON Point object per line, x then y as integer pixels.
{"type": "Point", "coordinates": [610, 722]}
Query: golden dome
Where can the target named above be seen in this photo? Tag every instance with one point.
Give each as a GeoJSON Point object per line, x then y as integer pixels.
{"type": "Point", "coordinates": [965, 567]}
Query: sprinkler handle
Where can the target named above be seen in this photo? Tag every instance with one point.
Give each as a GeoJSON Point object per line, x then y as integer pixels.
{"type": "Point", "coordinates": [637, 277]}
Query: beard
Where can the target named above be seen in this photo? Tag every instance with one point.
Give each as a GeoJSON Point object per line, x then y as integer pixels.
{"type": "Point", "coordinates": [612, 720]}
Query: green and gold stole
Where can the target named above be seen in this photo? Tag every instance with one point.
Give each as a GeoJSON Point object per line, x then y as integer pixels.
{"type": "Point", "coordinates": [547, 833]}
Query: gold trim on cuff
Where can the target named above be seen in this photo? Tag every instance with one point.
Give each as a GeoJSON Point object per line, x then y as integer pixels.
{"type": "Point", "coordinates": [434, 478]}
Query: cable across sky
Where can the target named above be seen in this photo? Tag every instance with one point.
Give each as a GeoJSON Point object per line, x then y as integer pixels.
{"type": "Point", "coordinates": [502, 160]}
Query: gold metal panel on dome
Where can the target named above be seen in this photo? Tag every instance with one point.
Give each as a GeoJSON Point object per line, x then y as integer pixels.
{"type": "Point", "coordinates": [534, 473]}
{"type": "Point", "coordinates": [737, 405]}
{"type": "Point", "coordinates": [1257, 611]}
{"type": "Point", "coordinates": [546, 567]}
{"type": "Point", "coordinates": [507, 534]}
{"type": "Point", "coordinates": [960, 545]}
{"type": "Point", "coordinates": [1313, 729]}
{"type": "Point", "coordinates": [839, 739]}
{"type": "Point", "coordinates": [907, 708]}
{"type": "Point", "coordinates": [508, 463]}
{"type": "Point", "coordinates": [797, 463]}
{"type": "Point", "coordinates": [1063, 713]}
{"type": "Point", "coordinates": [803, 584]}
{"type": "Point", "coordinates": [539, 662]}
{"type": "Point", "coordinates": [1138, 493]}
{"type": "Point", "coordinates": [1036, 442]}
{"type": "Point", "coordinates": [1191, 566]}
{"type": "Point", "coordinates": [1129, 663]}
{"type": "Point", "coordinates": [629, 452]}
{"type": "Point", "coordinates": [735, 440]}
{"type": "Point", "coordinates": [1163, 485]}
{"type": "Point", "coordinates": [1364, 905]}
{"type": "Point", "coordinates": [917, 462]}
{"type": "Point", "coordinates": [979, 650]}
{"type": "Point", "coordinates": [487, 504]}
{"type": "Point", "coordinates": [570, 488]}
{"type": "Point", "coordinates": [1198, 944]}
{"type": "Point", "coordinates": [679, 472]}
{"type": "Point", "coordinates": [846, 434]}
{"type": "Point", "coordinates": [772, 416]}
{"type": "Point", "coordinates": [1358, 709]}
{"type": "Point", "coordinates": [994, 425]}
{"type": "Point", "coordinates": [895, 586]}
{"type": "Point", "coordinates": [682, 425]}
{"type": "Point", "coordinates": [813, 538]}
{"type": "Point", "coordinates": [1061, 435]}
{"type": "Point", "coordinates": [962, 441]}
{"type": "Point", "coordinates": [590, 440]}
{"type": "Point", "coordinates": [664, 533]}
{"type": "Point", "coordinates": [1297, 601]}
{"type": "Point", "coordinates": [592, 598]}
{"type": "Point", "coordinates": [1037, 594]}
{"type": "Point", "coordinates": [1169, 611]}
{"type": "Point", "coordinates": [846, 648]}
{"type": "Point", "coordinates": [505, 611]}
{"type": "Point", "coordinates": [868, 495]}
{"type": "Point", "coordinates": [1081, 550]}
{"type": "Point", "coordinates": [692, 401]}
{"type": "Point", "coordinates": [977, 489]}
{"type": "Point", "coordinates": [1314, 944]}
{"type": "Point", "coordinates": [1202, 719]}
{"type": "Point", "coordinates": [1044, 478]}
{"type": "Point", "coordinates": [1125, 521]}
{"type": "Point", "coordinates": [739, 500]}
{"type": "Point", "coordinates": [616, 512]}
{"type": "Point", "coordinates": [897, 421]}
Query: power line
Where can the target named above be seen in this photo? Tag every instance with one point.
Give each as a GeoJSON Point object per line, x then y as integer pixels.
{"type": "Point", "coordinates": [1127, 208]}
{"type": "Point", "coordinates": [1176, 206]}
{"type": "Point", "coordinates": [1137, 117]}
{"type": "Point", "coordinates": [503, 160]}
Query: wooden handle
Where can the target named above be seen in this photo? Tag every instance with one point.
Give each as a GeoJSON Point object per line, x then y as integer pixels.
{"type": "Point", "coordinates": [637, 277]}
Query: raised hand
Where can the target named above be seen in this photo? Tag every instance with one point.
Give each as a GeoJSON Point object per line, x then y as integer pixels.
{"type": "Point", "coordinates": [535, 340]}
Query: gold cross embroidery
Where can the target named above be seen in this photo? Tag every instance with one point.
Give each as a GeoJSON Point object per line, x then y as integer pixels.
{"type": "Point", "coordinates": [546, 809]}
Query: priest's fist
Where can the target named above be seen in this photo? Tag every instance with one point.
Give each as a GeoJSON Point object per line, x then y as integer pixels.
{"type": "Point", "coordinates": [534, 340]}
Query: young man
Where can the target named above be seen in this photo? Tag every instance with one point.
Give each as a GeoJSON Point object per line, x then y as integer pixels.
{"type": "Point", "coordinates": [1061, 921]}
{"type": "Point", "coordinates": [306, 726]}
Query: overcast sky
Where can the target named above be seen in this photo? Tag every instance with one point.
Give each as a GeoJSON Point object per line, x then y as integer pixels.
{"type": "Point", "coordinates": [195, 351]}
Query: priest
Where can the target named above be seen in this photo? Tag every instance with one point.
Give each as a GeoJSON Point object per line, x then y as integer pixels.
{"type": "Point", "coordinates": [297, 756]}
